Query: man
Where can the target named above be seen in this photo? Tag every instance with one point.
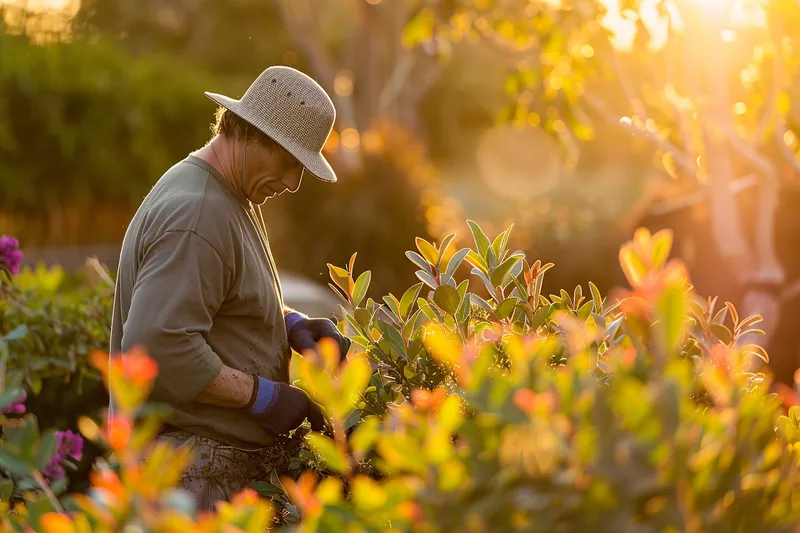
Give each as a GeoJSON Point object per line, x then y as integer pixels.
{"type": "Point", "coordinates": [198, 288]}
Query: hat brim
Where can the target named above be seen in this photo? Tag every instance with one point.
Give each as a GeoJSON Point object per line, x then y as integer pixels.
{"type": "Point", "coordinates": [314, 162]}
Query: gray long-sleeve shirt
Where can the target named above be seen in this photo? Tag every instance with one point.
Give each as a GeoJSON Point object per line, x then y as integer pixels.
{"type": "Point", "coordinates": [197, 287]}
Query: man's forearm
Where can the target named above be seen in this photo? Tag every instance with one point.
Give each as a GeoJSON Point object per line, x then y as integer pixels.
{"type": "Point", "coordinates": [231, 388]}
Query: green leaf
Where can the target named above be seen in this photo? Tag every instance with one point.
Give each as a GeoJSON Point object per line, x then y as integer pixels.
{"type": "Point", "coordinates": [455, 261]}
{"type": "Point", "coordinates": [365, 435]}
{"type": "Point", "coordinates": [360, 289]}
{"type": "Point", "coordinates": [661, 244]}
{"type": "Point", "coordinates": [352, 381]}
{"type": "Point", "coordinates": [463, 311]}
{"type": "Point", "coordinates": [267, 489]}
{"type": "Point", "coordinates": [362, 317]}
{"type": "Point", "coordinates": [722, 332]}
{"type": "Point", "coordinates": [597, 299]}
{"type": "Point", "coordinates": [353, 418]}
{"type": "Point", "coordinates": [443, 248]}
{"type": "Point", "coordinates": [327, 450]}
{"type": "Point", "coordinates": [392, 303]}
{"type": "Point", "coordinates": [501, 242]}
{"type": "Point", "coordinates": [499, 273]}
{"type": "Point", "coordinates": [427, 250]}
{"type": "Point", "coordinates": [506, 307]}
{"type": "Point", "coordinates": [447, 298]}
{"type": "Point", "coordinates": [672, 309]}
{"type": "Point", "coordinates": [45, 451]}
{"type": "Point", "coordinates": [12, 464]}
{"type": "Point", "coordinates": [427, 279]}
{"type": "Point", "coordinates": [16, 334]}
{"type": "Point", "coordinates": [6, 489]}
{"type": "Point", "coordinates": [481, 240]}
{"type": "Point", "coordinates": [480, 302]}
{"type": "Point", "coordinates": [418, 260]}
{"type": "Point", "coordinates": [10, 396]}
{"type": "Point", "coordinates": [408, 299]}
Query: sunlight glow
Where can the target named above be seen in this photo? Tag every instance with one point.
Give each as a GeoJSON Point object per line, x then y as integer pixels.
{"type": "Point", "coordinates": [40, 6]}
{"type": "Point", "coordinates": [622, 22]}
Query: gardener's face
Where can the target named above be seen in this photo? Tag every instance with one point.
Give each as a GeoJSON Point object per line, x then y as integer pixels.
{"type": "Point", "coordinates": [271, 170]}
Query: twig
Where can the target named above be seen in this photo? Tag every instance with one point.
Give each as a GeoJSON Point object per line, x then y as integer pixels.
{"type": "Point", "coordinates": [665, 145]}
{"type": "Point", "coordinates": [780, 131]}
{"type": "Point", "coordinates": [790, 292]}
{"type": "Point", "coordinates": [772, 104]}
{"type": "Point", "coordinates": [37, 476]}
{"type": "Point", "coordinates": [94, 264]}
{"type": "Point", "coordinates": [700, 195]}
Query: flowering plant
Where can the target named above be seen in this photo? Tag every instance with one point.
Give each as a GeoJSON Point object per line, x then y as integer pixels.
{"type": "Point", "coordinates": [10, 255]}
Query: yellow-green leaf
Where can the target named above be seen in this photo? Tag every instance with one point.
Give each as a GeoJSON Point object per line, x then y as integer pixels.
{"type": "Point", "coordinates": [448, 298]}
{"type": "Point", "coordinates": [427, 250]}
{"type": "Point", "coordinates": [756, 350]}
{"type": "Point", "coordinates": [327, 450]}
{"type": "Point", "coordinates": [672, 311]}
{"type": "Point", "coordinates": [363, 438]}
{"type": "Point", "coordinates": [340, 277]}
{"type": "Point", "coordinates": [367, 494]}
{"type": "Point", "coordinates": [451, 415]}
{"type": "Point", "coordinates": [661, 244]}
{"type": "Point", "coordinates": [352, 382]}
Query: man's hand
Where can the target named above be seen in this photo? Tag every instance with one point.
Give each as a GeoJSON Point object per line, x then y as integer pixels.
{"type": "Point", "coordinates": [305, 333]}
{"type": "Point", "coordinates": [281, 408]}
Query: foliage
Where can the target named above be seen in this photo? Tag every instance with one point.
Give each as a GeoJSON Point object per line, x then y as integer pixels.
{"type": "Point", "coordinates": [53, 321]}
{"type": "Point", "coordinates": [139, 491]}
{"type": "Point", "coordinates": [525, 412]}
{"type": "Point", "coordinates": [58, 328]}
{"type": "Point", "coordinates": [84, 123]}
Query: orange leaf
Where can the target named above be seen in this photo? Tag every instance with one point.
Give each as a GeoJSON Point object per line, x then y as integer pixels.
{"type": "Point", "coordinates": [118, 433]}
{"type": "Point", "coordinates": [525, 400]}
{"type": "Point", "coordinates": [56, 523]}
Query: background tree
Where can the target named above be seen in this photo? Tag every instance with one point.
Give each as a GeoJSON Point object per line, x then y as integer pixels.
{"type": "Point", "coordinates": [707, 84]}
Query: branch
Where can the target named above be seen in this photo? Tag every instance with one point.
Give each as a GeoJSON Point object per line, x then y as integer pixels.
{"type": "Point", "coordinates": [700, 195]}
{"type": "Point", "coordinates": [771, 106]}
{"type": "Point", "coordinates": [780, 132]}
{"type": "Point", "coordinates": [604, 110]}
{"type": "Point", "coordinates": [680, 110]}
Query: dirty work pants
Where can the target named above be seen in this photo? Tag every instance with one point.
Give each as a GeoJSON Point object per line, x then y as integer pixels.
{"type": "Point", "coordinates": [217, 471]}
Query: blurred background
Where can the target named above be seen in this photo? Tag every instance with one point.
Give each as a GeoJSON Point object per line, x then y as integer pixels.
{"type": "Point", "coordinates": [577, 121]}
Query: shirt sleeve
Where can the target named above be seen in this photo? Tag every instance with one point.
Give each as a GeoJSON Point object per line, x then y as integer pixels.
{"type": "Point", "coordinates": [181, 283]}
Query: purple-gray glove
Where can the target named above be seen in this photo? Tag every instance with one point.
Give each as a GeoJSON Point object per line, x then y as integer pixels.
{"type": "Point", "coordinates": [281, 408]}
{"type": "Point", "coordinates": [304, 333]}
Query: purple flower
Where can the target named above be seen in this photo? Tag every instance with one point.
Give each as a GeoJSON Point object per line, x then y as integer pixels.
{"type": "Point", "coordinates": [18, 407]}
{"type": "Point", "coordinates": [10, 254]}
{"type": "Point", "coordinates": [54, 472]}
{"type": "Point", "coordinates": [69, 444]}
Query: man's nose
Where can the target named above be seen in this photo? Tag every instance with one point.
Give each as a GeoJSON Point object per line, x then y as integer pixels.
{"type": "Point", "coordinates": [293, 182]}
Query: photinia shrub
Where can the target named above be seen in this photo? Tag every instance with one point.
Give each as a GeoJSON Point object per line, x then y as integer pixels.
{"type": "Point", "coordinates": [525, 412]}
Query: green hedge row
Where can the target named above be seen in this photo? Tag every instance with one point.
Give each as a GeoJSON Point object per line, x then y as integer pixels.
{"type": "Point", "coordinates": [84, 121]}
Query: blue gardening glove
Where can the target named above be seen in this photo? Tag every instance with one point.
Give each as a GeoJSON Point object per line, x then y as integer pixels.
{"type": "Point", "coordinates": [281, 408]}
{"type": "Point", "coordinates": [305, 333]}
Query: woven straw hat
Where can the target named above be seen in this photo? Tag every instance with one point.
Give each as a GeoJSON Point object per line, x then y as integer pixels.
{"type": "Point", "coordinates": [293, 110]}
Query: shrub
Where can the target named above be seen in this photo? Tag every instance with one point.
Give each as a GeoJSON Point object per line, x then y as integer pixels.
{"type": "Point", "coordinates": [53, 323]}
{"type": "Point", "coordinates": [70, 109]}
{"type": "Point", "coordinates": [519, 412]}
{"type": "Point", "coordinates": [525, 412]}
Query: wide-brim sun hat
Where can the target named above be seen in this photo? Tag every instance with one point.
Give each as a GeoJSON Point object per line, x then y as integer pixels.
{"type": "Point", "coordinates": [293, 110]}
